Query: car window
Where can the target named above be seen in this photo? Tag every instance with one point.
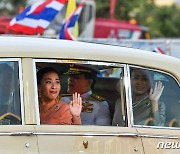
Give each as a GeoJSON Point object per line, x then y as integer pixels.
{"type": "Point", "coordinates": [155, 98]}
{"type": "Point", "coordinates": [100, 100]}
{"type": "Point", "coordinates": [10, 104]}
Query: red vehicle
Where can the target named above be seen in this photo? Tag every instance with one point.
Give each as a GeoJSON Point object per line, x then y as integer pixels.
{"type": "Point", "coordinates": [114, 28]}
{"type": "Point", "coordinates": [4, 21]}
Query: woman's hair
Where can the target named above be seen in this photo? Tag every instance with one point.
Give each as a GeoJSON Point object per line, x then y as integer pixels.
{"type": "Point", "coordinates": [43, 71]}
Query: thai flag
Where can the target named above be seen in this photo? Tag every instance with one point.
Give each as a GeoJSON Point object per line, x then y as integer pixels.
{"type": "Point", "coordinates": [67, 27]}
{"type": "Point", "coordinates": [158, 50]}
{"type": "Point", "coordinates": [36, 18]}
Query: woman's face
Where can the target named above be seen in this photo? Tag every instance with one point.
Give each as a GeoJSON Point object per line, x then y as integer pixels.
{"type": "Point", "coordinates": [140, 82]}
{"type": "Point", "coordinates": [50, 86]}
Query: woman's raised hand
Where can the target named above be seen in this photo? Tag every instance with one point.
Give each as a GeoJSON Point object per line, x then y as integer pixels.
{"type": "Point", "coordinates": [76, 105]}
{"type": "Point", "coordinates": [155, 95]}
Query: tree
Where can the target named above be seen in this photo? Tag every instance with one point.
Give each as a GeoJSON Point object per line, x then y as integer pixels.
{"type": "Point", "coordinates": [166, 23]}
{"type": "Point", "coordinates": [102, 8]}
{"type": "Point", "coordinates": [162, 21]}
{"type": "Point", "coordinates": [10, 7]}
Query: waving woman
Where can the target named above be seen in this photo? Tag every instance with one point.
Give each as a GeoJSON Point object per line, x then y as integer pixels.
{"type": "Point", "coordinates": [52, 110]}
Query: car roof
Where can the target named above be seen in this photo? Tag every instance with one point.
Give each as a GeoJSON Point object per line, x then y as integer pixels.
{"type": "Point", "coordinates": [15, 47]}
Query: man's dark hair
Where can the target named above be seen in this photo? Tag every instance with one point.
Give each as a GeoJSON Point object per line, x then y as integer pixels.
{"type": "Point", "coordinates": [90, 76]}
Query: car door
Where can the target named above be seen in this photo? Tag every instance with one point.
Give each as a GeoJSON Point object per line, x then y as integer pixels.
{"type": "Point", "coordinates": [162, 136]}
{"type": "Point", "coordinates": [90, 138]}
{"type": "Point", "coordinates": [87, 139]}
{"type": "Point", "coordinates": [15, 136]}
{"type": "Point", "coordinates": [17, 139]}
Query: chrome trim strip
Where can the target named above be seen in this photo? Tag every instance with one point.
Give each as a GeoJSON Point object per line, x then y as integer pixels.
{"type": "Point", "coordinates": [36, 93]}
{"type": "Point", "coordinates": [159, 136]}
{"type": "Point", "coordinates": [156, 127]}
{"type": "Point", "coordinates": [45, 60]}
{"type": "Point", "coordinates": [90, 134]}
{"type": "Point", "coordinates": [4, 59]}
{"type": "Point", "coordinates": [17, 134]}
{"type": "Point", "coordinates": [128, 95]}
{"type": "Point", "coordinates": [70, 134]}
{"type": "Point", "coordinates": [22, 134]}
{"type": "Point", "coordinates": [21, 90]}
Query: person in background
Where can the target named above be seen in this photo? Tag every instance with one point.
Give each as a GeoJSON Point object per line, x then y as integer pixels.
{"type": "Point", "coordinates": [53, 110]}
{"type": "Point", "coordinates": [95, 110]}
{"type": "Point", "coordinates": [147, 109]}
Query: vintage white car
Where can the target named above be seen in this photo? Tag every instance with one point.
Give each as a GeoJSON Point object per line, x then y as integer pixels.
{"type": "Point", "coordinates": [21, 130]}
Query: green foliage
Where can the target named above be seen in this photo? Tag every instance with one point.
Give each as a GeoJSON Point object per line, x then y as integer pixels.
{"type": "Point", "coordinates": [162, 21]}
{"type": "Point", "coordinates": [102, 8]}
{"type": "Point", "coordinates": [11, 7]}
{"type": "Point", "coordinates": [167, 22]}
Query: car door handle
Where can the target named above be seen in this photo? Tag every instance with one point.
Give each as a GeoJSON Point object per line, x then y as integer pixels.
{"type": "Point", "coordinates": [22, 133]}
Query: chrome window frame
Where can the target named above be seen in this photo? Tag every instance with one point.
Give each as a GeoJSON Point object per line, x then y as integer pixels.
{"type": "Point", "coordinates": [131, 110]}
{"type": "Point", "coordinates": [92, 62]}
{"type": "Point", "coordinates": [127, 84]}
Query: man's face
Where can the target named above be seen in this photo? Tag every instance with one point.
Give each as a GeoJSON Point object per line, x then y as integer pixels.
{"type": "Point", "coordinates": [78, 83]}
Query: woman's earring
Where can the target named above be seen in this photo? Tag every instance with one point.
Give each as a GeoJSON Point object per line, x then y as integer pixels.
{"type": "Point", "coordinates": [58, 97]}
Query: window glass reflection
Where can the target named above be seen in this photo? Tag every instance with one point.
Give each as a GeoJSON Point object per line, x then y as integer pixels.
{"type": "Point", "coordinates": [155, 97]}
{"type": "Point", "coordinates": [9, 94]}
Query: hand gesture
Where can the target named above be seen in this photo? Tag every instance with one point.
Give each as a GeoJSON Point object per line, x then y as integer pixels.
{"type": "Point", "coordinates": [155, 95]}
{"type": "Point", "coordinates": [76, 105]}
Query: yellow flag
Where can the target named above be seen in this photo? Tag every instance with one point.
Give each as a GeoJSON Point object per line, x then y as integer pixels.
{"type": "Point", "coordinates": [71, 6]}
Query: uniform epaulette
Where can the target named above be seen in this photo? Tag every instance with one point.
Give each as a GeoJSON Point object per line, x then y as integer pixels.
{"type": "Point", "coordinates": [99, 98]}
{"type": "Point", "coordinates": [65, 95]}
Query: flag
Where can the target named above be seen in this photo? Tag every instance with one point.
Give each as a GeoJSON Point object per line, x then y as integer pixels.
{"type": "Point", "coordinates": [67, 27]}
{"type": "Point", "coordinates": [37, 17]}
{"type": "Point", "coordinates": [71, 6]}
{"type": "Point", "coordinates": [158, 50]}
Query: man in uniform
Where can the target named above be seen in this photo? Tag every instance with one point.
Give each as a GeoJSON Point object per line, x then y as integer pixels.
{"type": "Point", "coordinates": [95, 110]}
